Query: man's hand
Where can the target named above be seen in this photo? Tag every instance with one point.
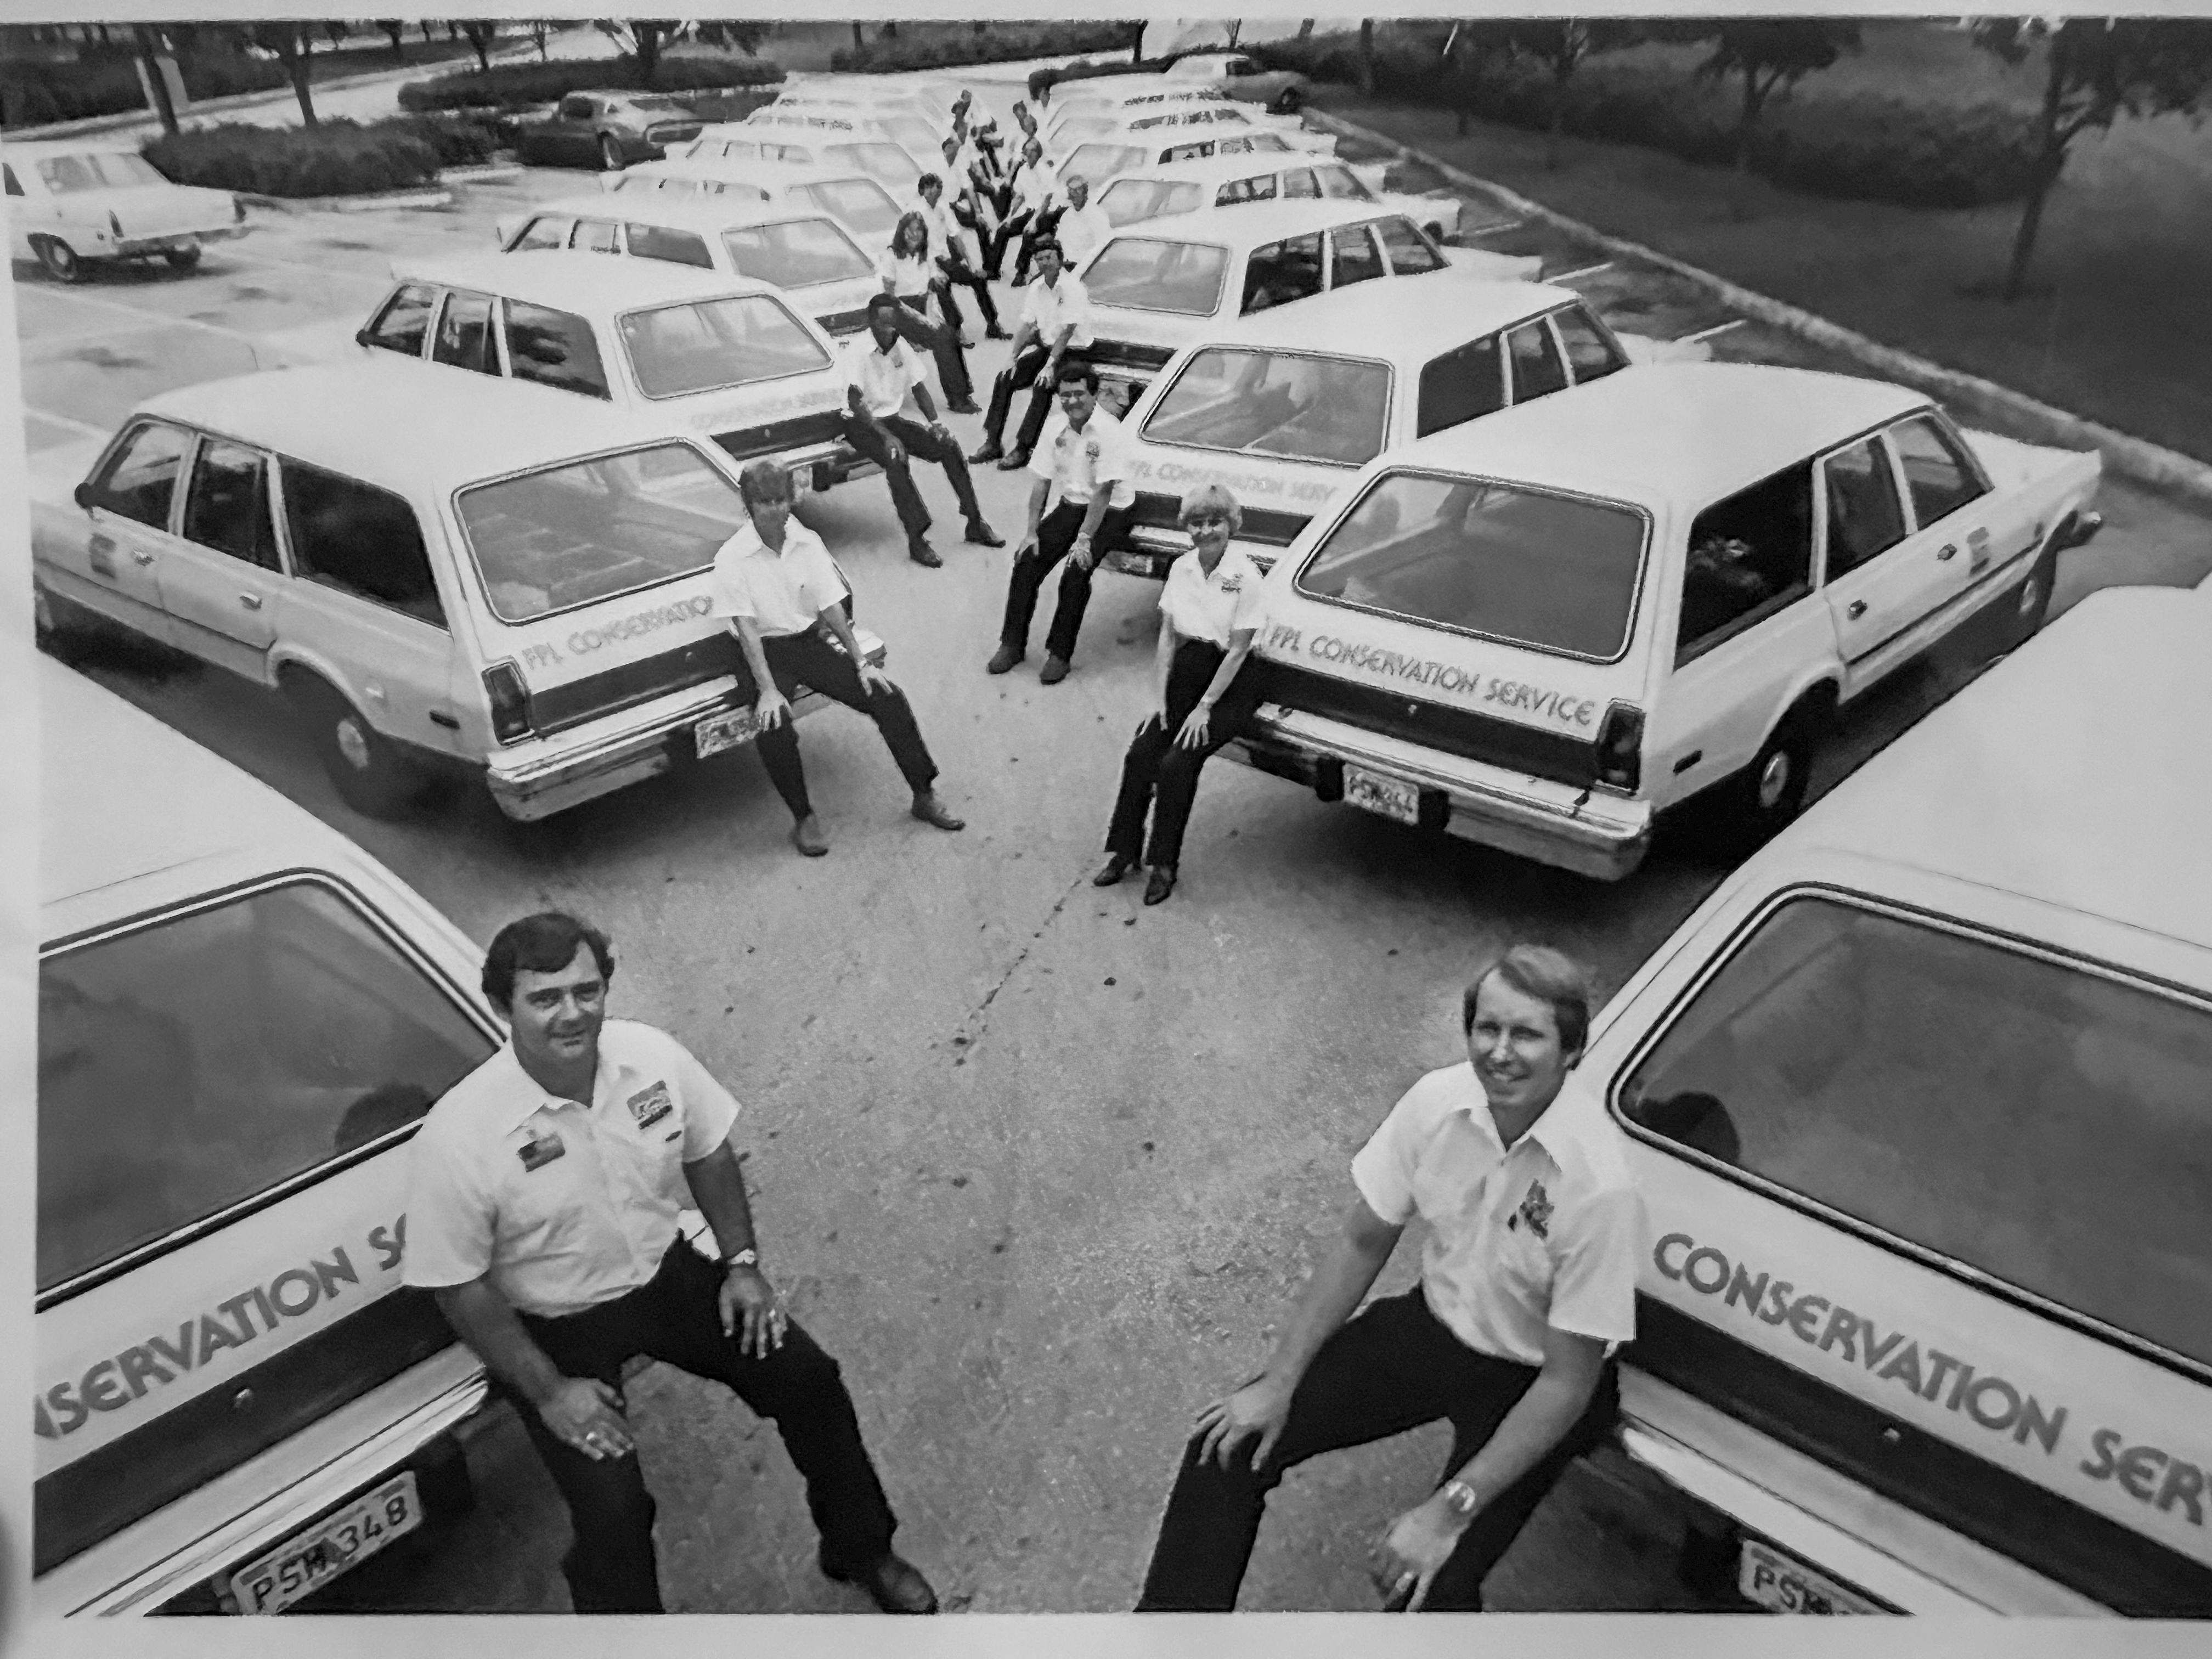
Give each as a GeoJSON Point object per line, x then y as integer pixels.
{"type": "Point", "coordinates": [873, 679]}
{"type": "Point", "coordinates": [1261, 1406]}
{"type": "Point", "coordinates": [1194, 732]}
{"type": "Point", "coordinates": [894, 449]}
{"type": "Point", "coordinates": [1050, 373]}
{"type": "Point", "coordinates": [771, 710]}
{"type": "Point", "coordinates": [751, 1311]}
{"type": "Point", "coordinates": [1083, 553]}
{"type": "Point", "coordinates": [939, 427]}
{"type": "Point", "coordinates": [587, 1413]}
{"type": "Point", "coordinates": [1408, 1558]}
{"type": "Point", "coordinates": [1028, 549]}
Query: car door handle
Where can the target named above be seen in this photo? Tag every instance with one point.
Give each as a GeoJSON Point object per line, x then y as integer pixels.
{"type": "Point", "coordinates": [1948, 552]}
{"type": "Point", "coordinates": [251, 601]}
{"type": "Point", "coordinates": [139, 555]}
{"type": "Point", "coordinates": [1855, 610]}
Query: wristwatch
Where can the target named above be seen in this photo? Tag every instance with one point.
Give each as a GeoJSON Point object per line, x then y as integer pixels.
{"type": "Point", "coordinates": [747, 1258]}
{"type": "Point", "coordinates": [1461, 1498]}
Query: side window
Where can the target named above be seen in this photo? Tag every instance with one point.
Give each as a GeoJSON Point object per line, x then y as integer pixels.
{"type": "Point", "coordinates": [1938, 472]}
{"type": "Point", "coordinates": [140, 480]}
{"type": "Point", "coordinates": [1186, 152]}
{"type": "Point", "coordinates": [227, 507]}
{"type": "Point", "coordinates": [1299, 182]}
{"type": "Point", "coordinates": [1537, 370]}
{"type": "Point", "coordinates": [405, 321]}
{"type": "Point", "coordinates": [1461, 384]}
{"type": "Point", "coordinates": [1261, 189]}
{"type": "Point", "coordinates": [360, 540]}
{"type": "Point", "coordinates": [545, 231]}
{"type": "Point", "coordinates": [1354, 256]}
{"type": "Point", "coordinates": [1282, 271]}
{"type": "Point", "coordinates": [1590, 353]}
{"type": "Point", "coordinates": [1750, 555]}
{"type": "Point", "coordinates": [1410, 253]}
{"type": "Point", "coordinates": [554, 348]}
{"type": "Point", "coordinates": [1865, 518]}
{"type": "Point", "coordinates": [1341, 184]}
{"type": "Point", "coordinates": [681, 247]}
{"type": "Point", "coordinates": [464, 334]}
{"type": "Point", "coordinates": [596, 236]}
{"type": "Point", "coordinates": [576, 109]}
{"type": "Point", "coordinates": [8, 173]}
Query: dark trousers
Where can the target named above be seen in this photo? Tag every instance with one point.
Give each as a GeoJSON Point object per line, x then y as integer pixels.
{"type": "Point", "coordinates": [808, 661]}
{"type": "Point", "coordinates": [610, 1565]}
{"type": "Point", "coordinates": [1159, 773]}
{"type": "Point", "coordinates": [942, 343]}
{"type": "Point", "coordinates": [1023, 375]}
{"type": "Point", "coordinates": [957, 274]}
{"type": "Point", "coordinates": [1042, 225]}
{"type": "Point", "coordinates": [1055, 535]}
{"type": "Point", "coordinates": [921, 444]}
{"type": "Point", "coordinates": [1392, 1368]}
{"type": "Point", "coordinates": [1011, 225]}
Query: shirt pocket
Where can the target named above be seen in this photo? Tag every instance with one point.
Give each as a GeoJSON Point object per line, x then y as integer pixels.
{"type": "Point", "coordinates": [652, 1154]}
{"type": "Point", "coordinates": [543, 1211]}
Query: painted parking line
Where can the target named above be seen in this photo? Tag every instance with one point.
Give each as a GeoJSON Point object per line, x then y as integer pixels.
{"type": "Point", "coordinates": [155, 317]}
{"type": "Point", "coordinates": [1717, 328]}
{"type": "Point", "coordinates": [1586, 270]}
{"type": "Point", "coordinates": [305, 269]}
{"type": "Point", "coordinates": [31, 343]}
{"type": "Point", "coordinates": [80, 427]}
{"type": "Point", "coordinates": [1493, 227]}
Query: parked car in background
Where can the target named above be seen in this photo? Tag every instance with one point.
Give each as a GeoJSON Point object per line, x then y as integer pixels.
{"type": "Point", "coordinates": [1285, 406]}
{"type": "Point", "coordinates": [1154, 192]}
{"type": "Point", "coordinates": [1128, 152]}
{"type": "Point", "coordinates": [909, 120]}
{"type": "Point", "coordinates": [857, 201]}
{"type": "Point", "coordinates": [72, 205]}
{"type": "Point", "coordinates": [1239, 76]}
{"type": "Point", "coordinates": [1212, 118]}
{"type": "Point", "coordinates": [242, 1017]}
{"type": "Point", "coordinates": [495, 580]}
{"type": "Point", "coordinates": [1917, 1100]}
{"type": "Point", "coordinates": [1541, 629]}
{"type": "Point", "coordinates": [606, 129]}
{"type": "Point", "coordinates": [810, 255]}
{"type": "Point", "coordinates": [809, 136]}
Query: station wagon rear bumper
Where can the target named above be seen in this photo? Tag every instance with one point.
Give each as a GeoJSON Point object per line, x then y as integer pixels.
{"type": "Point", "coordinates": [1592, 833]}
{"type": "Point", "coordinates": [143, 248]}
{"type": "Point", "coordinates": [543, 776]}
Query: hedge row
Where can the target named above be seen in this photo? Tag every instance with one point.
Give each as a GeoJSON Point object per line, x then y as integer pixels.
{"type": "Point", "coordinates": [1857, 146]}
{"type": "Point", "coordinates": [32, 93]}
{"type": "Point", "coordinates": [334, 158]}
{"type": "Point", "coordinates": [1000, 46]}
{"type": "Point", "coordinates": [521, 86]}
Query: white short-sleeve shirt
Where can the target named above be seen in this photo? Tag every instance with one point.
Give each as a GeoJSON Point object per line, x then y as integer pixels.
{"type": "Point", "coordinates": [1546, 1232]}
{"type": "Point", "coordinates": [884, 377]}
{"type": "Point", "coordinates": [1083, 231]}
{"type": "Point", "coordinates": [908, 275]}
{"type": "Point", "coordinates": [561, 1204]}
{"type": "Point", "coordinates": [1079, 464]}
{"type": "Point", "coordinates": [783, 592]}
{"type": "Point", "coordinates": [1049, 308]}
{"type": "Point", "coordinates": [1204, 607]}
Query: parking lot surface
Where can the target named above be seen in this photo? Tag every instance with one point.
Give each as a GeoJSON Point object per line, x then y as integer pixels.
{"type": "Point", "coordinates": [1039, 1165]}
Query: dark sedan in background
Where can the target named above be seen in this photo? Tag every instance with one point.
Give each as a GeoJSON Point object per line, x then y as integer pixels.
{"type": "Point", "coordinates": [607, 131]}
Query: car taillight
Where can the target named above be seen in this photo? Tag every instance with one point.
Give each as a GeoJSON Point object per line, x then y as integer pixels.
{"type": "Point", "coordinates": [1620, 748]}
{"type": "Point", "coordinates": [510, 703]}
{"type": "Point", "coordinates": [115, 224]}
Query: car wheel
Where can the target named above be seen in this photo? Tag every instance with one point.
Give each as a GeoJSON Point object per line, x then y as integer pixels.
{"type": "Point", "coordinates": [182, 258]}
{"type": "Point", "coordinates": [365, 767]}
{"type": "Point", "coordinates": [2020, 615]}
{"type": "Point", "coordinates": [610, 156]}
{"type": "Point", "coordinates": [60, 259]}
{"type": "Point", "coordinates": [1769, 793]}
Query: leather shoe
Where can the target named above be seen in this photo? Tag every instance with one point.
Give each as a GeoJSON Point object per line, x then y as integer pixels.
{"type": "Point", "coordinates": [1015, 462]}
{"type": "Point", "coordinates": [930, 809]}
{"type": "Point", "coordinates": [806, 835]}
{"type": "Point", "coordinates": [1053, 671]}
{"type": "Point", "coordinates": [963, 406]}
{"type": "Point", "coordinates": [924, 554]}
{"type": "Point", "coordinates": [1110, 872]}
{"type": "Point", "coordinates": [1160, 884]}
{"type": "Point", "coordinates": [997, 333]}
{"type": "Point", "coordinates": [1003, 658]}
{"type": "Point", "coordinates": [988, 452]}
{"type": "Point", "coordinates": [983, 536]}
{"type": "Point", "coordinates": [895, 1585]}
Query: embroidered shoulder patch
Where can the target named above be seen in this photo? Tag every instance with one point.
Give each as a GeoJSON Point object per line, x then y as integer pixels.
{"type": "Point", "coordinates": [1536, 1210]}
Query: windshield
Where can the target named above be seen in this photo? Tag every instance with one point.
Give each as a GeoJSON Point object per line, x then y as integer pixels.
{"type": "Point", "coordinates": [1076, 129]}
{"type": "Point", "coordinates": [885, 160]}
{"type": "Point", "coordinates": [571, 535]}
{"type": "Point", "coordinates": [2037, 1118]}
{"type": "Point", "coordinates": [1550, 572]}
{"type": "Point", "coordinates": [1146, 274]}
{"type": "Point", "coordinates": [1128, 200]}
{"type": "Point", "coordinates": [1276, 403]}
{"type": "Point", "coordinates": [1100, 161]}
{"type": "Point", "coordinates": [916, 134]}
{"type": "Point", "coordinates": [716, 344]}
{"type": "Point", "coordinates": [860, 203]}
{"type": "Point", "coordinates": [796, 253]}
{"type": "Point", "coordinates": [96, 170]}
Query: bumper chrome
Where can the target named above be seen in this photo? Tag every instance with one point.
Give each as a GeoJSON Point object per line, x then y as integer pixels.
{"type": "Point", "coordinates": [1600, 836]}
{"type": "Point", "coordinates": [139, 248]}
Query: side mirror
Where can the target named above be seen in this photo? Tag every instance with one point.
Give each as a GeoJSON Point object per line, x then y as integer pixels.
{"type": "Point", "coordinates": [361, 338]}
{"type": "Point", "coordinates": [83, 494]}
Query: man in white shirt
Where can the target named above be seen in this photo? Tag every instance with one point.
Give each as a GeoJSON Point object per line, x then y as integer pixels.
{"type": "Point", "coordinates": [1055, 330]}
{"type": "Point", "coordinates": [949, 239]}
{"type": "Point", "coordinates": [883, 374]}
{"type": "Point", "coordinates": [1082, 227]}
{"type": "Point", "coordinates": [1031, 188]}
{"type": "Point", "coordinates": [542, 1212]}
{"type": "Point", "coordinates": [778, 589]}
{"type": "Point", "coordinates": [1083, 459]}
{"type": "Point", "coordinates": [1527, 1283]}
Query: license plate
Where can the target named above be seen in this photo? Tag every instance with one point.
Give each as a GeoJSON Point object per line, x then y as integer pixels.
{"type": "Point", "coordinates": [1782, 1584]}
{"type": "Point", "coordinates": [303, 1565]}
{"type": "Point", "coordinates": [720, 731]}
{"type": "Point", "coordinates": [1385, 796]}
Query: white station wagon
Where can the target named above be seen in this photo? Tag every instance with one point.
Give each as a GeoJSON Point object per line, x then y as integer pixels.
{"type": "Point", "coordinates": [1285, 406]}
{"type": "Point", "coordinates": [714, 355]}
{"type": "Point", "coordinates": [1226, 180]}
{"type": "Point", "coordinates": [493, 580]}
{"type": "Point", "coordinates": [1540, 630]}
{"type": "Point", "coordinates": [835, 140]}
{"type": "Point", "coordinates": [855, 200]}
{"type": "Point", "coordinates": [1160, 285]}
{"type": "Point", "coordinates": [1920, 1102]}
{"type": "Point", "coordinates": [72, 203]}
{"type": "Point", "coordinates": [809, 255]}
{"type": "Point", "coordinates": [1136, 151]}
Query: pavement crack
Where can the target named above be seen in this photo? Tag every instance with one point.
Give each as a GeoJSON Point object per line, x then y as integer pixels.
{"type": "Point", "coordinates": [973, 1028]}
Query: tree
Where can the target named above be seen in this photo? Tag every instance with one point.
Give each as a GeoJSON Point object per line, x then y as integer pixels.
{"type": "Point", "coordinates": [1136, 43]}
{"type": "Point", "coordinates": [1367, 55]}
{"type": "Point", "coordinates": [643, 38]}
{"type": "Point", "coordinates": [746, 37]}
{"type": "Point", "coordinates": [395, 30]}
{"type": "Point", "coordinates": [1768, 57]}
{"type": "Point", "coordinates": [149, 58]}
{"type": "Point", "coordinates": [860, 38]}
{"type": "Point", "coordinates": [889, 31]}
{"type": "Point", "coordinates": [1473, 44]}
{"type": "Point", "coordinates": [1560, 44]}
{"type": "Point", "coordinates": [293, 45]}
{"type": "Point", "coordinates": [537, 36]}
{"type": "Point", "coordinates": [1305, 28]}
{"type": "Point", "coordinates": [483, 34]}
{"type": "Point", "coordinates": [2096, 70]}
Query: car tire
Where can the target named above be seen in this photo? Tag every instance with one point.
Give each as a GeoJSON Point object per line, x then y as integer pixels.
{"type": "Point", "coordinates": [1289, 101]}
{"type": "Point", "coordinates": [1764, 799]}
{"type": "Point", "coordinates": [182, 258]}
{"type": "Point", "coordinates": [2020, 615]}
{"type": "Point", "coordinates": [611, 155]}
{"type": "Point", "coordinates": [60, 260]}
{"type": "Point", "coordinates": [365, 767]}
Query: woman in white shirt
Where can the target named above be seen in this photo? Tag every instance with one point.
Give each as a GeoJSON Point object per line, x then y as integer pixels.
{"type": "Point", "coordinates": [1209, 613]}
{"type": "Point", "coordinates": [905, 270]}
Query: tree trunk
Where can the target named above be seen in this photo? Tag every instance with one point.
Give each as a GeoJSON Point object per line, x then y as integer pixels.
{"type": "Point", "coordinates": [150, 54]}
{"type": "Point", "coordinates": [1305, 28]}
{"type": "Point", "coordinates": [483, 54]}
{"type": "Point", "coordinates": [859, 39]}
{"type": "Point", "coordinates": [1136, 44]}
{"type": "Point", "coordinates": [2050, 161]}
{"type": "Point", "coordinates": [297, 64]}
{"type": "Point", "coordinates": [648, 53]}
{"type": "Point", "coordinates": [1367, 55]}
{"type": "Point", "coordinates": [429, 39]}
{"type": "Point", "coordinates": [1558, 119]}
{"type": "Point", "coordinates": [398, 35]}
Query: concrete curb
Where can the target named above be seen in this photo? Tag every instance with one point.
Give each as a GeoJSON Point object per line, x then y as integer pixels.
{"type": "Point", "coordinates": [2137, 459]}
{"type": "Point", "coordinates": [393, 198]}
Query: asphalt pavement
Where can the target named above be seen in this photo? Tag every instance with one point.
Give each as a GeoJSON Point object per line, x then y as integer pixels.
{"type": "Point", "coordinates": [1040, 1166]}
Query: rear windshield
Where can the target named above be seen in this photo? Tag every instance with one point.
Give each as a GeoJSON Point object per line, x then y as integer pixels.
{"type": "Point", "coordinates": [1146, 274]}
{"type": "Point", "coordinates": [796, 253]}
{"type": "Point", "coordinates": [1127, 200]}
{"type": "Point", "coordinates": [860, 203]}
{"type": "Point", "coordinates": [197, 1061]}
{"type": "Point", "coordinates": [2064, 1147]}
{"type": "Point", "coordinates": [916, 134]}
{"type": "Point", "coordinates": [885, 160]}
{"type": "Point", "coordinates": [1096, 161]}
{"type": "Point", "coordinates": [1276, 403]}
{"type": "Point", "coordinates": [572, 535]}
{"type": "Point", "coordinates": [716, 344]}
{"type": "Point", "coordinates": [96, 170]}
{"type": "Point", "coordinates": [1550, 572]}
